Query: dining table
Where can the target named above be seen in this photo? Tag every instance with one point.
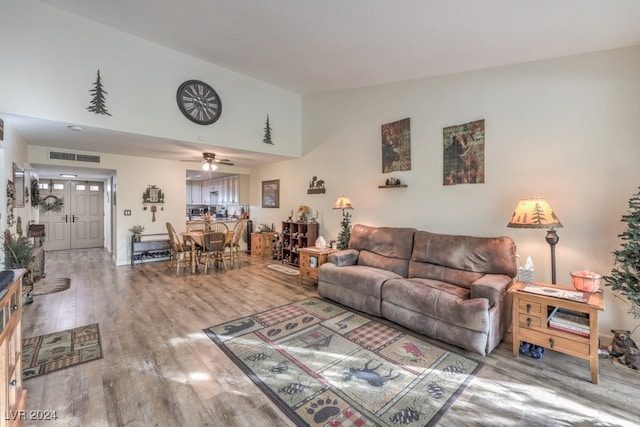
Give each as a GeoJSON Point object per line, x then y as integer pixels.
{"type": "Point", "coordinates": [196, 240]}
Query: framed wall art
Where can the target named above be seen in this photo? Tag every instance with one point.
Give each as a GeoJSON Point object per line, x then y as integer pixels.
{"type": "Point", "coordinates": [396, 146]}
{"type": "Point", "coordinates": [463, 154]}
{"type": "Point", "coordinates": [271, 194]}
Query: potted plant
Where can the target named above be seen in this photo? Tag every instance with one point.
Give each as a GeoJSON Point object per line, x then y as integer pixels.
{"type": "Point", "coordinates": [625, 276]}
{"type": "Point", "coordinates": [137, 232]}
{"type": "Point", "coordinates": [18, 253]}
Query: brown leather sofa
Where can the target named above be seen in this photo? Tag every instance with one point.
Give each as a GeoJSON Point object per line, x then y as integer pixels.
{"type": "Point", "coordinates": [448, 287]}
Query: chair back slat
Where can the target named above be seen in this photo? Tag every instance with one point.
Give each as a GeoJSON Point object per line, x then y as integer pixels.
{"type": "Point", "coordinates": [218, 226]}
{"type": "Point", "coordinates": [214, 241]}
{"type": "Point", "coordinates": [196, 226]}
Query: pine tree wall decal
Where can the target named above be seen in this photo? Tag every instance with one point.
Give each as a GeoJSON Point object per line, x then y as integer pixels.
{"type": "Point", "coordinates": [267, 133]}
{"type": "Point", "coordinates": [98, 104]}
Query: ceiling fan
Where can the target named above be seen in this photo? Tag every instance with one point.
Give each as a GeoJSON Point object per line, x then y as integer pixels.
{"type": "Point", "coordinates": [210, 163]}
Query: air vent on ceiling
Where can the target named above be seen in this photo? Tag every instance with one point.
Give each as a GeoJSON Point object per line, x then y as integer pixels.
{"type": "Point", "coordinates": [59, 155]}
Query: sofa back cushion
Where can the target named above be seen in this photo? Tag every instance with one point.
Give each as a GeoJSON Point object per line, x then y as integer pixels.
{"type": "Point", "coordinates": [461, 259]}
{"type": "Point", "coordinates": [388, 248]}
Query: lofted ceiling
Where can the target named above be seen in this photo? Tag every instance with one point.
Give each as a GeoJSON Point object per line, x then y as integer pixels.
{"type": "Point", "coordinates": [339, 44]}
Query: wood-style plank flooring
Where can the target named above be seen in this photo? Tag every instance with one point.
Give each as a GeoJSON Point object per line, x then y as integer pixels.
{"type": "Point", "coordinates": [159, 368]}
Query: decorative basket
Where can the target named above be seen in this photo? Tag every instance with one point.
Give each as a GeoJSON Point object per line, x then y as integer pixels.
{"type": "Point", "coordinates": [586, 281]}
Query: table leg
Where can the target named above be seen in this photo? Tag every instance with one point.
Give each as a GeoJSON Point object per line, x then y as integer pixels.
{"type": "Point", "coordinates": [193, 257]}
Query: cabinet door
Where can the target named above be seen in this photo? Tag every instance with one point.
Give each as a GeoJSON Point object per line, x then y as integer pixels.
{"type": "Point", "coordinates": [188, 193]}
{"type": "Point", "coordinates": [196, 193]}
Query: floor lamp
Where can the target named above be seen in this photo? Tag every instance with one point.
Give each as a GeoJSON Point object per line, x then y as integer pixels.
{"type": "Point", "coordinates": [537, 213]}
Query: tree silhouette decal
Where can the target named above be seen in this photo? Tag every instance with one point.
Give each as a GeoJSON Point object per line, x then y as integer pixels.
{"type": "Point", "coordinates": [267, 133]}
{"type": "Point", "coordinates": [98, 104]}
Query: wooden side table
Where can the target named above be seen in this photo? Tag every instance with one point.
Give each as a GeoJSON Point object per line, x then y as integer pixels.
{"type": "Point", "coordinates": [530, 323]}
{"type": "Point", "coordinates": [309, 267]}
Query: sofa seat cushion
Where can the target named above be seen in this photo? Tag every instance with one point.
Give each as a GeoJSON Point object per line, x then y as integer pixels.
{"type": "Point", "coordinates": [445, 302]}
{"type": "Point", "coordinates": [355, 286]}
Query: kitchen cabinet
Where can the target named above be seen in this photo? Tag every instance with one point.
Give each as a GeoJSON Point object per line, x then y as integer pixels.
{"type": "Point", "coordinates": [188, 193]}
{"type": "Point", "coordinates": [196, 193]}
{"type": "Point", "coordinates": [232, 190]}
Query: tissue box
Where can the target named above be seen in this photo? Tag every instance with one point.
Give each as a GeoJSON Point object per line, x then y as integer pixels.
{"type": "Point", "coordinates": [525, 275]}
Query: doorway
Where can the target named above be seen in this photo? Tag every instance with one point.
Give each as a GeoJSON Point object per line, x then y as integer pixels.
{"type": "Point", "coordinates": [79, 223]}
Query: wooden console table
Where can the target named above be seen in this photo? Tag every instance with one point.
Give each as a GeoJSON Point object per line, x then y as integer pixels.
{"type": "Point", "coordinates": [530, 323]}
{"type": "Point", "coordinates": [13, 398]}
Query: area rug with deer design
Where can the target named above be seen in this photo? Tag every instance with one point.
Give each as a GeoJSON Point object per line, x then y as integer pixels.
{"type": "Point", "coordinates": [324, 364]}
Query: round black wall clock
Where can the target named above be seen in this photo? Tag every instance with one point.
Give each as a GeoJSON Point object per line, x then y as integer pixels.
{"type": "Point", "coordinates": [199, 102]}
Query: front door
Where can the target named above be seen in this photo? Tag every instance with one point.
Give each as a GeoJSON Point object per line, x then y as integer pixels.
{"type": "Point", "coordinates": [79, 224]}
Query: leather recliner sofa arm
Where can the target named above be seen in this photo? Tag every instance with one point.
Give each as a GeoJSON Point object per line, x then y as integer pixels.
{"type": "Point", "coordinates": [344, 257]}
{"type": "Point", "coordinates": [492, 287]}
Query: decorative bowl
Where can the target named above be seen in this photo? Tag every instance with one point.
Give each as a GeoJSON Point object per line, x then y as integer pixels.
{"type": "Point", "coordinates": [586, 281]}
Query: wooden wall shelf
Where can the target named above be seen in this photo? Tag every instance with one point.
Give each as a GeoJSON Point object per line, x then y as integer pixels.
{"type": "Point", "coordinates": [393, 186]}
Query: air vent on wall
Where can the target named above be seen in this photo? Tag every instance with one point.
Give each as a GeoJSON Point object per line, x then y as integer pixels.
{"type": "Point", "coordinates": [87, 158]}
{"type": "Point", "coordinates": [58, 155]}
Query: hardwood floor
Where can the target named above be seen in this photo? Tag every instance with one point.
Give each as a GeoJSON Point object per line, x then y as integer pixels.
{"type": "Point", "coordinates": [159, 368]}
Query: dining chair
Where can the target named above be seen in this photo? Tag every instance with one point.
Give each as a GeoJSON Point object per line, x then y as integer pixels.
{"type": "Point", "coordinates": [214, 242]}
{"type": "Point", "coordinates": [234, 243]}
{"type": "Point", "coordinates": [181, 251]}
{"type": "Point", "coordinates": [197, 225]}
{"type": "Point", "coordinates": [218, 226]}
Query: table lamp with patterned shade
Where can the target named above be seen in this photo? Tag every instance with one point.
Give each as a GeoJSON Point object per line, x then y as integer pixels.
{"type": "Point", "coordinates": [537, 213]}
{"type": "Point", "coordinates": [343, 238]}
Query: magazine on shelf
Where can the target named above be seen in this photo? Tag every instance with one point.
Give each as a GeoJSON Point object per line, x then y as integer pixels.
{"type": "Point", "coordinates": [555, 292]}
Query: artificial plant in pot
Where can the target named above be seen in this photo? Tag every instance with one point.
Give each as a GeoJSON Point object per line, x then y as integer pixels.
{"type": "Point", "coordinates": [18, 251]}
{"type": "Point", "coordinates": [137, 231]}
{"type": "Point", "coordinates": [625, 276]}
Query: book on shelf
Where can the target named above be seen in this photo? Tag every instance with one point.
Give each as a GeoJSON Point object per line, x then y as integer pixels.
{"type": "Point", "coordinates": [569, 321]}
{"type": "Point", "coordinates": [570, 329]}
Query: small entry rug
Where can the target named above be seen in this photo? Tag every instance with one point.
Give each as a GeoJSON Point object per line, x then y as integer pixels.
{"type": "Point", "coordinates": [323, 364]}
{"type": "Point", "coordinates": [59, 350]}
{"type": "Point", "coordinates": [284, 269]}
{"type": "Point", "coordinates": [50, 286]}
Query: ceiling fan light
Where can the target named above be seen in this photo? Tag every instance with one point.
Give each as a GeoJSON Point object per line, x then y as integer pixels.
{"type": "Point", "coordinates": [205, 166]}
{"type": "Point", "coordinates": [213, 166]}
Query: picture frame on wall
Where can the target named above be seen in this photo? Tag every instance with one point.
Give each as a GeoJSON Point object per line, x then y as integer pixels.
{"type": "Point", "coordinates": [463, 153]}
{"type": "Point", "coordinates": [396, 146]}
{"type": "Point", "coordinates": [271, 193]}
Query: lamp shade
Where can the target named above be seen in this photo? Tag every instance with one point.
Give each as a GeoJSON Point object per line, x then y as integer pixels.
{"type": "Point", "coordinates": [534, 213]}
{"type": "Point", "coordinates": [302, 209]}
{"type": "Point", "coordinates": [343, 203]}
{"type": "Point", "coordinates": [209, 165]}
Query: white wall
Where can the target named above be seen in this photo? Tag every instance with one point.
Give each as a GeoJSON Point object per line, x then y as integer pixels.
{"type": "Point", "coordinates": [134, 175]}
{"type": "Point", "coordinates": [561, 129]}
{"type": "Point", "coordinates": [49, 64]}
{"type": "Point", "coordinates": [14, 150]}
